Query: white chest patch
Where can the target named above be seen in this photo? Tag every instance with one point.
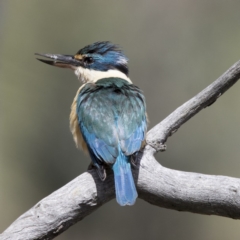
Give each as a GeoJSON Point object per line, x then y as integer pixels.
{"type": "Point", "coordinates": [90, 75]}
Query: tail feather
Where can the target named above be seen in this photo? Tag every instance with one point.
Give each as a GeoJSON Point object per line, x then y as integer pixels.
{"type": "Point", "coordinates": [126, 192]}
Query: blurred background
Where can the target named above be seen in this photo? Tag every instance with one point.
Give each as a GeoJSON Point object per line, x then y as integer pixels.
{"type": "Point", "coordinates": [176, 48]}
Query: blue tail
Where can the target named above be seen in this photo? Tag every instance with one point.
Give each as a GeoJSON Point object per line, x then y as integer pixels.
{"type": "Point", "coordinates": [126, 192]}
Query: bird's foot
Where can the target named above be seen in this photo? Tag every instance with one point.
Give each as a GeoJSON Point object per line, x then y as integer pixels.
{"type": "Point", "coordinates": [135, 158]}
{"type": "Point", "coordinates": [101, 171]}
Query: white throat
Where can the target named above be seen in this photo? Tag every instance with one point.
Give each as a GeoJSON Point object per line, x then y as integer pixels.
{"type": "Point", "coordinates": [90, 75]}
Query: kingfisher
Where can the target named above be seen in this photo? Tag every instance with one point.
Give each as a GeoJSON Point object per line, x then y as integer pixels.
{"type": "Point", "coordinates": [108, 117]}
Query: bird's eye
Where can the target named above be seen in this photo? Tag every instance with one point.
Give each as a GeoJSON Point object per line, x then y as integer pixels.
{"type": "Point", "coordinates": [88, 60]}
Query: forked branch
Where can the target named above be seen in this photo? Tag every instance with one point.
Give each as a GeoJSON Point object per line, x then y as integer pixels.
{"type": "Point", "coordinates": [163, 187]}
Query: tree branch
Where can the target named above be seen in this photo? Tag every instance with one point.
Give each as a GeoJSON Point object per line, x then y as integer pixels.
{"type": "Point", "coordinates": [159, 134]}
{"type": "Point", "coordinates": [185, 191]}
{"type": "Point", "coordinates": [163, 187]}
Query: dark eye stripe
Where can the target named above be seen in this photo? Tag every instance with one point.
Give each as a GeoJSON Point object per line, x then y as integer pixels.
{"type": "Point", "coordinates": [88, 60]}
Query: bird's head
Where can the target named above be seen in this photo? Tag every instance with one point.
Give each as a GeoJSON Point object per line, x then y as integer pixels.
{"type": "Point", "coordinates": [93, 62]}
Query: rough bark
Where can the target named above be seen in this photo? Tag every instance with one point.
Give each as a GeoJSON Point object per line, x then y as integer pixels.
{"type": "Point", "coordinates": [163, 187]}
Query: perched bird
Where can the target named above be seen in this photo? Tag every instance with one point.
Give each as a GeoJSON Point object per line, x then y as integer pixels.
{"type": "Point", "coordinates": [108, 114]}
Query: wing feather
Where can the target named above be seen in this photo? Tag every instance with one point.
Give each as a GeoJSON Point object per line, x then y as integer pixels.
{"type": "Point", "coordinates": [111, 114]}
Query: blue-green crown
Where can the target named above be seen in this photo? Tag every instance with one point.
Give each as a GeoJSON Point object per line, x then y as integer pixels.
{"type": "Point", "coordinates": [103, 56]}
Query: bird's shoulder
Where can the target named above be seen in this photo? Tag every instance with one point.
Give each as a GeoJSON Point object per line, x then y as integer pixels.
{"type": "Point", "coordinates": [111, 82]}
{"type": "Point", "coordinates": [111, 88]}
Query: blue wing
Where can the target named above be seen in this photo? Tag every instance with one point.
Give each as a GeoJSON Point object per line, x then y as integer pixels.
{"type": "Point", "coordinates": [111, 116]}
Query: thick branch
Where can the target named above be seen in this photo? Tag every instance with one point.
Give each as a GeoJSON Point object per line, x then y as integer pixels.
{"type": "Point", "coordinates": [163, 187]}
{"type": "Point", "coordinates": [185, 191]}
{"type": "Point", "coordinates": [157, 185]}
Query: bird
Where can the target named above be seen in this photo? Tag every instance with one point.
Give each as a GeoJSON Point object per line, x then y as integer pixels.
{"type": "Point", "coordinates": [108, 118]}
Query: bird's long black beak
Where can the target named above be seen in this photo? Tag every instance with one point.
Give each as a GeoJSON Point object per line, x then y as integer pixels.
{"type": "Point", "coordinates": [63, 61]}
